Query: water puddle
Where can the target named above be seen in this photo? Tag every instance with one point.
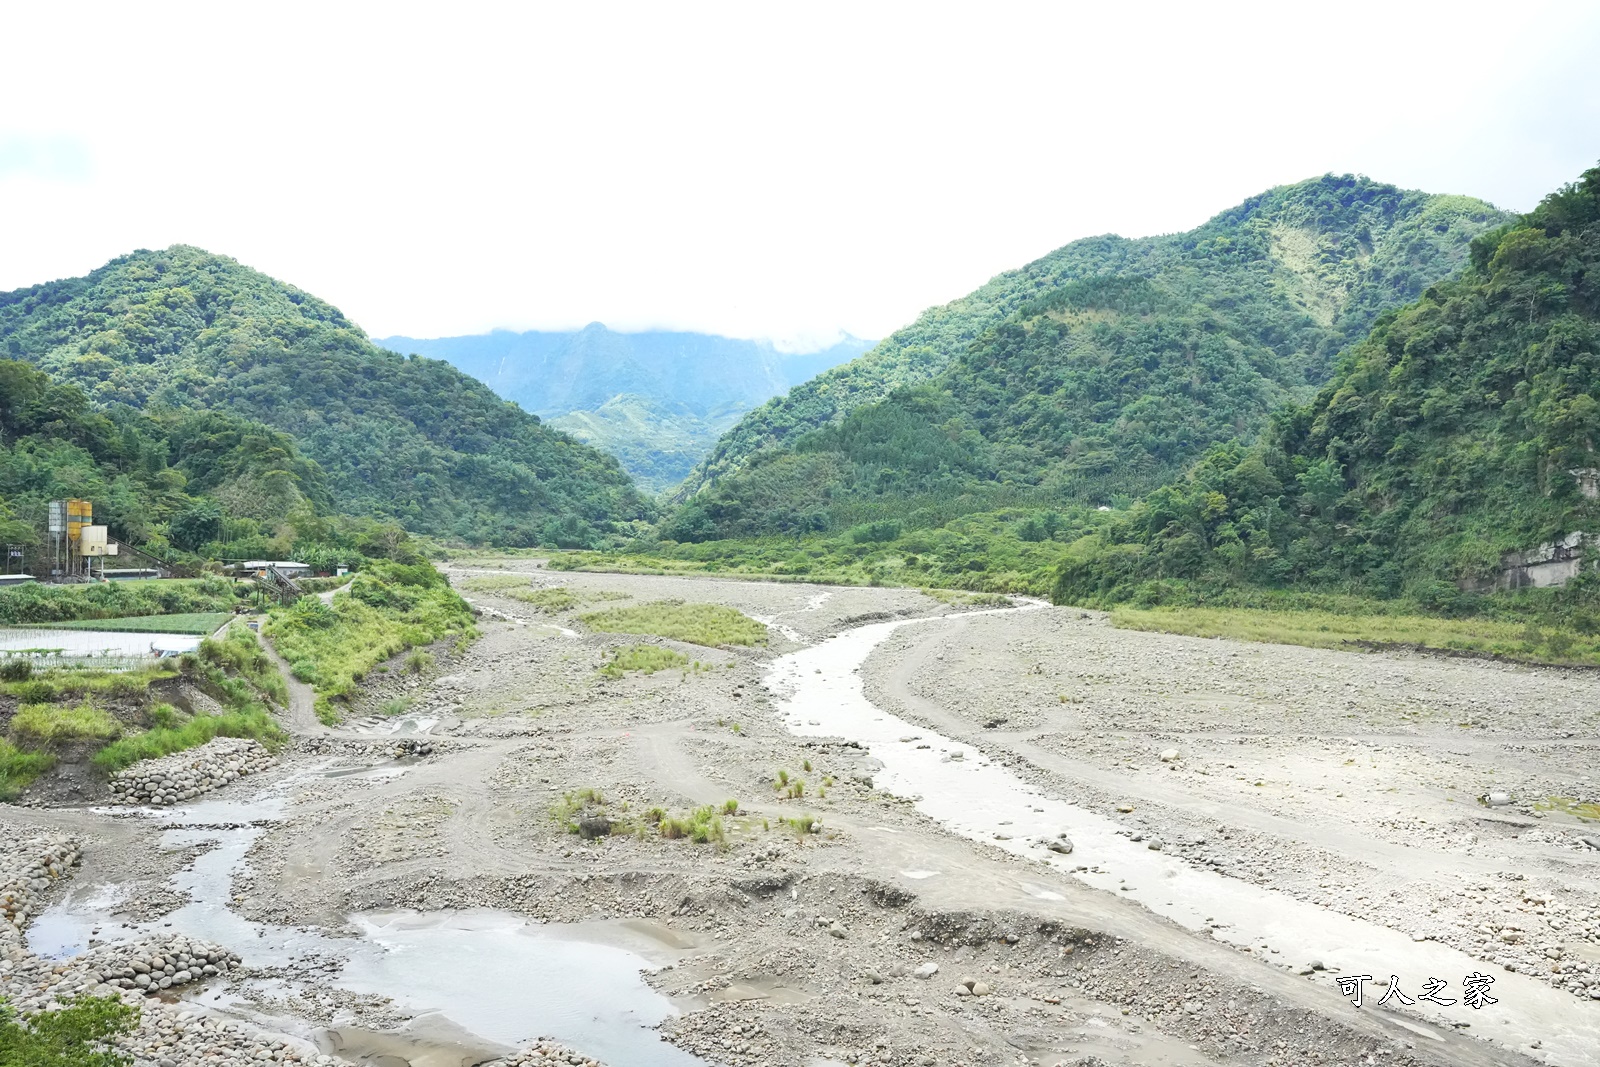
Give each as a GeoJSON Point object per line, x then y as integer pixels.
{"type": "Point", "coordinates": [984, 801]}
{"type": "Point", "coordinates": [483, 982]}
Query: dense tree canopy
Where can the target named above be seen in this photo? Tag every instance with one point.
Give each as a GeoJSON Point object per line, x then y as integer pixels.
{"type": "Point", "coordinates": [1461, 428]}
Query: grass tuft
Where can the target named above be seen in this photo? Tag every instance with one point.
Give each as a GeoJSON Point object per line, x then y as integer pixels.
{"type": "Point", "coordinates": [18, 769]}
{"type": "Point", "coordinates": [646, 658]}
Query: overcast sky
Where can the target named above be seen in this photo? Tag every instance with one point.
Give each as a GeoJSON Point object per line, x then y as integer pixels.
{"type": "Point", "coordinates": [755, 170]}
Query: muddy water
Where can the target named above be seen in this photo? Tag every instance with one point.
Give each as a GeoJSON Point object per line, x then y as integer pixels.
{"type": "Point", "coordinates": [821, 696]}
{"type": "Point", "coordinates": [483, 982]}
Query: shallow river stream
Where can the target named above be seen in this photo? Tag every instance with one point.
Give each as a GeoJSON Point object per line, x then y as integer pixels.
{"type": "Point", "coordinates": [492, 981]}
{"type": "Point", "coordinates": [822, 696]}
{"type": "Point", "coordinates": [486, 982]}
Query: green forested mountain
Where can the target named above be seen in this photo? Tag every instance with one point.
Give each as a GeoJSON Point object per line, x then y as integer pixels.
{"type": "Point", "coordinates": [1462, 427]}
{"type": "Point", "coordinates": [162, 481]}
{"type": "Point", "coordinates": [413, 439]}
{"type": "Point", "coordinates": [658, 400]}
{"type": "Point", "coordinates": [1092, 375]}
{"type": "Point", "coordinates": [656, 441]}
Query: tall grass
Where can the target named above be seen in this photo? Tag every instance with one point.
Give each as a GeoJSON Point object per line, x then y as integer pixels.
{"type": "Point", "coordinates": [700, 624]}
{"type": "Point", "coordinates": [1326, 629]}
{"type": "Point", "coordinates": [237, 651]}
{"type": "Point", "coordinates": [495, 583]}
{"type": "Point", "coordinates": [389, 609]}
{"type": "Point", "coordinates": [551, 601]}
{"type": "Point", "coordinates": [50, 724]}
{"type": "Point", "coordinates": [165, 740]}
{"type": "Point", "coordinates": [18, 769]}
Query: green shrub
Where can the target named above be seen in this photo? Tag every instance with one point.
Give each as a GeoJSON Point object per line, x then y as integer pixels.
{"type": "Point", "coordinates": [803, 824]}
{"type": "Point", "coordinates": [390, 608]}
{"type": "Point", "coordinates": [165, 740]}
{"type": "Point", "coordinates": [238, 651]}
{"type": "Point", "coordinates": [702, 826]}
{"type": "Point", "coordinates": [419, 661]}
{"type": "Point", "coordinates": [33, 691]}
{"type": "Point", "coordinates": [16, 669]}
{"type": "Point", "coordinates": [77, 1034]}
{"type": "Point", "coordinates": [166, 716]}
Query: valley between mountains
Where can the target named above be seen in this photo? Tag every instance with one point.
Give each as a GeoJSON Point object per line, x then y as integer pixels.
{"type": "Point", "coordinates": [939, 833]}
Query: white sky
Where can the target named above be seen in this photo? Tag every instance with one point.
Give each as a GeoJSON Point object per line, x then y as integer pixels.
{"type": "Point", "coordinates": [749, 169]}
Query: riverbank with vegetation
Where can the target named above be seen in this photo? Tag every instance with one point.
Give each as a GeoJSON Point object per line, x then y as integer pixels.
{"type": "Point", "coordinates": [390, 608]}
{"type": "Point", "coordinates": [119, 717]}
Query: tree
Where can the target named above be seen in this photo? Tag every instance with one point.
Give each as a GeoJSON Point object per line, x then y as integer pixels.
{"type": "Point", "coordinates": [195, 525]}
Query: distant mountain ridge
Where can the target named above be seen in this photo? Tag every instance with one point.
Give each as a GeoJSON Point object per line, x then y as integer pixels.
{"type": "Point", "coordinates": [656, 399]}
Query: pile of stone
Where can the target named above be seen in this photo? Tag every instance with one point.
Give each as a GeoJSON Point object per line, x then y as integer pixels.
{"type": "Point", "coordinates": [186, 775]}
{"type": "Point", "coordinates": [154, 966]}
{"type": "Point", "coordinates": [29, 862]}
{"type": "Point", "coordinates": [544, 1054]}
{"type": "Point", "coordinates": [373, 748]}
{"type": "Point", "coordinates": [166, 1035]}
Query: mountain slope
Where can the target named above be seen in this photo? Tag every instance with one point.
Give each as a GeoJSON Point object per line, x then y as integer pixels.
{"type": "Point", "coordinates": [1465, 426]}
{"type": "Point", "coordinates": [1099, 370]}
{"type": "Point", "coordinates": [657, 400]}
{"type": "Point", "coordinates": [408, 438]}
{"type": "Point", "coordinates": [158, 482]}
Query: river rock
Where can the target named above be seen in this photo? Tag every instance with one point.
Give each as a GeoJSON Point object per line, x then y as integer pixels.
{"type": "Point", "coordinates": [1498, 799]}
{"type": "Point", "coordinates": [186, 775]}
{"type": "Point", "coordinates": [926, 970]}
{"type": "Point", "coordinates": [1169, 756]}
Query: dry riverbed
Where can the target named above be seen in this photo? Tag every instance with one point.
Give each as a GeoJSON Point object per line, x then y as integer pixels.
{"type": "Point", "coordinates": [880, 914]}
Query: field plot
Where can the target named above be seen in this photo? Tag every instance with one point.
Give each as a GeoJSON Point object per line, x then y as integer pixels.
{"type": "Point", "coordinates": [194, 622]}
{"type": "Point", "coordinates": [49, 647]}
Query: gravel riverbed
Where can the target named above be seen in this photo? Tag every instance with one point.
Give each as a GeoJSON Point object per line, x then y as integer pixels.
{"type": "Point", "coordinates": [838, 923]}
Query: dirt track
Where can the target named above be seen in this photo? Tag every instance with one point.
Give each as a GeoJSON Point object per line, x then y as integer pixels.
{"type": "Point", "coordinates": [786, 948]}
